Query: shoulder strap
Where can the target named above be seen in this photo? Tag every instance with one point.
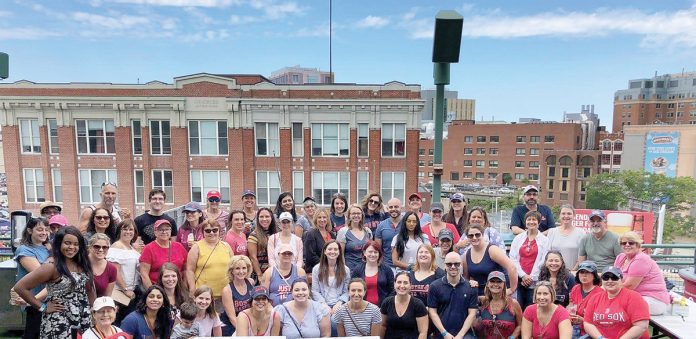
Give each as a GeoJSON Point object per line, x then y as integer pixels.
{"type": "Point", "coordinates": [294, 322]}
{"type": "Point", "coordinates": [353, 321]}
{"type": "Point", "coordinates": [206, 260]}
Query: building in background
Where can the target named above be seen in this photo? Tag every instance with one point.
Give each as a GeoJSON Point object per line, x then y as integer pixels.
{"type": "Point", "coordinates": [663, 99]}
{"type": "Point", "coordinates": [590, 124]}
{"type": "Point", "coordinates": [611, 147]}
{"type": "Point", "coordinates": [666, 149]}
{"type": "Point", "coordinates": [300, 75]}
{"type": "Point", "coordinates": [207, 131]}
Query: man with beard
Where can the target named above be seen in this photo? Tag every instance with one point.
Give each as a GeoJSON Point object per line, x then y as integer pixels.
{"type": "Point", "coordinates": [450, 298]}
{"type": "Point", "coordinates": [601, 246]}
{"type": "Point", "coordinates": [531, 203]}
{"type": "Point", "coordinates": [388, 229]}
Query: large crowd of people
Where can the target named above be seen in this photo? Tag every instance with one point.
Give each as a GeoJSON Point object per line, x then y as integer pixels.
{"type": "Point", "coordinates": [373, 269]}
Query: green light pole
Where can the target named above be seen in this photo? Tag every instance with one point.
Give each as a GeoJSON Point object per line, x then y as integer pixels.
{"type": "Point", "coordinates": [446, 45]}
{"type": "Point", "coordinates": [4, 66]}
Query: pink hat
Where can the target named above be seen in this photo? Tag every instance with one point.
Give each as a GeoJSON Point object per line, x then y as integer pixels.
{"type": "Point", "coordinates": [58, 219]}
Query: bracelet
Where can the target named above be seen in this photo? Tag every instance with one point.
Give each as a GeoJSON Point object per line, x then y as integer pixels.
{"type": "Point", "coordinates": [444, 333]}
{"type": "Point", "coordinates": [43, 307]}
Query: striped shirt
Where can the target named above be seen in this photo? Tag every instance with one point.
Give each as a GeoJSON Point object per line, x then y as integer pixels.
{"type": "Point", "coordinates": [364, 321]}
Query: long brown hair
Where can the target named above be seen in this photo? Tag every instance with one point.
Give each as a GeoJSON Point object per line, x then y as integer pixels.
{"type": "Point", "coordinates": [180, 296]}
{"type": "Point", "coordinates": [261, 234]}
{"type": "Point", "coordinates": [324, 265]}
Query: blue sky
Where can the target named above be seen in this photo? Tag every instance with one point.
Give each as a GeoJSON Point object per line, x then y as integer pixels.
{"type": "Point", "coordinates": [518, 59]}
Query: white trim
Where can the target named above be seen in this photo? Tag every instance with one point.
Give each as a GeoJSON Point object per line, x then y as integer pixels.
{"type": "Point", "coordinates": [272, 144]}
{"type": "Point", "coordinates": [221, 175]}
{"type": "Point", "coordinates": [269, 191]}
{"type": "Point", "coordinates": [200, 137]}
{"type": "Point", "coordinates": [38, 183]}
{"type": "Point", "coordinates": [341, 129]}
{"type": "Point", "coordinates": [34, 134]}
{"type": "Point", "coordinates": [89, 172]}
{"type": "Point", "coordinates": [170, 195]}
{"type": "Point", "coordinates": [394, 140]}
{"type": "Point", "coordinates": [104, 137]}
{"type": "Point", "coordinates": [160, 137]}
{"type": "Point", "coordinates": [340, 187]}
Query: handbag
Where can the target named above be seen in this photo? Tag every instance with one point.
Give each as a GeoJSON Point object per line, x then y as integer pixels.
{"type": "Point", "coordinates": [120, 297]}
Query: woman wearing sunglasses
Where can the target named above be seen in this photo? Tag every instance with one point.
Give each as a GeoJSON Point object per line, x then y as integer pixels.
{"type": "Point", "coordinates": [483, 258]}
{"type": "Point", "coordinates": [616, 312]}
{"type": "Point", "coordinates": [213, 211]}
{"type": "Point", "coordinates": [374, 211]}
{"type": "Point", "coordinates": [101, 221]}
{"type": "Point", "coordinates": [285, 237]}
{"type": "Point", "coordinates": [105, 273]}
{"type": "Point", "coordinates": [207, 261]}
{"type": "Point", "coordinates": [190, 231]}
{"type": "Point", "coordinates": [641, 273]}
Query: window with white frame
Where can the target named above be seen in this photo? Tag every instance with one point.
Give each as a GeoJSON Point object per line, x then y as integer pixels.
{"type": "Point", "coordinates": [393, 185]}
{"type": "Point", "coordinates": [161, 137]}
{"type": "Point", "coordinates": [91, 181]}
{"type": "Point", "coordinates": [207, 137]}
{"type": "Point", "coordinates": [204, 181]}
{"type": "Point", "coordinates": [364, 140]}
{"type": "Point", "coordinates": [267, 139]}
{"type": "Point", "coordinates": [267, 187]}
{"type": "Point", "coordinates": [57, 185]}
{"type": "Point", "coordinates": [326, 184]}
{"type": "Point", "coordinates": [393, 140]}
{"type": "Point", "coordinates": [298, 185]}
{"type": "Point", "coordinates": [139, 183]}
{"type": "Point", "coordinates": [162, 178]}
{"type": "Point", "coordinates": [330, 140]}
{"type": "Point", "coordinates": [363, 185]}
{"type": "Point", "coordinates": [34, 185]}
{"type": "Point", "coordinates": [29, 134]}
{"type": "Point", "coordinates": [52, 125]}
{"type": "Point", "coordinates": [137, 134]}
{"type": "Point", "coordinates": [95, 136]}
{"type": "Point", "coordinates": [297, 139]}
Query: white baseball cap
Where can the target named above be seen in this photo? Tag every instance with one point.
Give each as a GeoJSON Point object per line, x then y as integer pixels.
{"type": "Point", "coordinates": [102, 302]}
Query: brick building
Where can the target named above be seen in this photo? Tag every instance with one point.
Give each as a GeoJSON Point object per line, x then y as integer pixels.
{"type": "Point", "coordinates": [611, 146]}
{"type": "Point", "coordinates": [565, 174]}
{"type": "Point", "coordinates": [206, 131]}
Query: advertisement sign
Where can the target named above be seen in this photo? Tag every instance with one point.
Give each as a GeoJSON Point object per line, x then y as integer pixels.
{"type": "Point", "coordinates": [661, 153]}
{"type": "Point", "coordinates": [620, 222]}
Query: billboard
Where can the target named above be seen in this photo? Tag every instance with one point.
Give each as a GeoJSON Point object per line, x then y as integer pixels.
{"type": "Point", "coordinates": [620, 222]}
{"type": "Point", "coordinates": [661, 153]}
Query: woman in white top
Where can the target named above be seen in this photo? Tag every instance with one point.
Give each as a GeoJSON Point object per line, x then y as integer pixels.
{"type": "Point", "coordinates": [405, 244]}
{"type": "Point", "coordinates": [285, 236]}
{"type": "Point", "coordinates": [358, 317]}
{"type": "Point", "coordinates": [527, 252]}
{"type": "Point", "coordinates": [566, 238]}
{"type": "Point", "coordinates": [103, 315]}
{"type": "Point", "coordinates": [124, 256]}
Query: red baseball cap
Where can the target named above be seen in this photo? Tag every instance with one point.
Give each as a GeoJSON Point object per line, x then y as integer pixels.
{"type": "Point", "coordinates": [214, 194]}
{"type": "Point", "coordinates": [414, 195]}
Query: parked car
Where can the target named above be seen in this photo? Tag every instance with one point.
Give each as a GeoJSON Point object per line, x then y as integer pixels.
{"type": "Point", "coordinates": [506, 190]}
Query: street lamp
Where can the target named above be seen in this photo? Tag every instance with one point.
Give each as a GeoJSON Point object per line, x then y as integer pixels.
{"type": "Point", "coordinates": [446, 45]}
{"type": "Point", "coordinates": [4, 65]}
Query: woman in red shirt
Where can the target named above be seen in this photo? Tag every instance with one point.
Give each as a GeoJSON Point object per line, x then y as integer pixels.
{"type": "Point", "coordinates": [544, 319]}
{"type": "Point", "coordinates": [159, 252]}
{"type": "Point", "coordinates": [588, 285]}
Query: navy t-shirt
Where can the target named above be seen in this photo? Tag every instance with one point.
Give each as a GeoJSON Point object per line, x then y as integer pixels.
{"type": "Point", "coordinates": [452, 302]}
{"type": "Point", "coordinates": [545, 223]}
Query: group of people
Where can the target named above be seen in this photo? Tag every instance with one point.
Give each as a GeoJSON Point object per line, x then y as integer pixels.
{"type": "Point", "coordinates": [350, 270]}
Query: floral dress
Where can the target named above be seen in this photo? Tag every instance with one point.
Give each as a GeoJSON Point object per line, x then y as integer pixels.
{"type": "Point", "coordinates": [58, 325]}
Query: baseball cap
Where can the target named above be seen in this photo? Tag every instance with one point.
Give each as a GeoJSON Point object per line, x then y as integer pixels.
{"type": "Point", "coordinates": [598, 213]}
{"type": "Point", "coordinates": [613, 270]}
{"type": "Point", "coordinates": [102, 302]}
{"type": "Point", "coordinates": [437, 206]}
{"type": "Point", "coordinates": [285, 216]}
{"type": "Point", "coordinates": [588, 266]}
{"type": "Point", "coordinates": [58, 219]}
{"type": "Point", "coordinates": [414, 195]}
{"type": "Point", "coordinates": [309, 199]}
{"type": "Point", "coordinates": [47, 204]}
{"type": "Point", "coordinates": [160, 222]}
{"type": "Point", "coordinates": [496, 274]}
{"type": "Point", "coordinates": [193, 207]}
{"type": "Point", "coordinates": [259, 291]}
{"type": "Point", "coordinates": [214, 194]}
{"type": "Point", "coordinates": [284, 248]}
{"type": "Point", "coordinates": [248, 192]}
{"type": "Point", "coordinates": [445, 234]}
{"type": "Point", "coordinates": [528, 188]}
{"type": "Point", "coordinates": [457, 196]}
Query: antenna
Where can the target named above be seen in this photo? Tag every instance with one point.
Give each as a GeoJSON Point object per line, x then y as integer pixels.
{"type": "Point", "coordinates": [331, 80]}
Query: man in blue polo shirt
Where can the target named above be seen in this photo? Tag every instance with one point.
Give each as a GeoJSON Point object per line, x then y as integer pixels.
{"type": "Point", "coordinates": [531, 203]}
{"type": "Point", "coordinates": [450, 298]}
{"type": "Point", "coordinates": [388, 228]}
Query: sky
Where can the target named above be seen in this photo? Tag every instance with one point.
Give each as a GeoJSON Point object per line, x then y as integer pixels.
{"type": "Point", "coordinates": [518, 58]}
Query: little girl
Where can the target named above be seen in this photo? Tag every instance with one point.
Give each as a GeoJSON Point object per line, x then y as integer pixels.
{"type": "Point", "coordinates": [207, 318]}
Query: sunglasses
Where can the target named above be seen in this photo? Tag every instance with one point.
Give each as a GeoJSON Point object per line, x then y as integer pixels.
{"type": "Point", "coordinates": [475, 235]}
{"type": "Point", "coordinates": [213, 199]}
{"type": "Point", "coordinates": [101, 217]}
{"type": "Point", "coordinates": [164, 229]}
{"type": "Point", "coordinates": [627, 243]}
{"type": "Point", "coordinates": [109, 183]}
{"type": "Point", "coordinates": [611, 277]}
{"type": "Point", "coordinates": [100, 248]}
{"type": "Point", "coordinates": [287, 254]}
{"type": "Point", "coordinates": [453, 264]}
{"type": "Point", "coordinates": [211, 230]}
{"type": "Point", "coordinates": [376, 202]}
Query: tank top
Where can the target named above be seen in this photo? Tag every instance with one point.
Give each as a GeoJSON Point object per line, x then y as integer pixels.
{"type": "Point", "coordinates": [279, 288]}
{"type": "Point", "coordinates": [500, 325]}
{"type": "Point", "coordinates": [213, 273]}
{"type": "Point", "coordinates": [479, 271]}
{"type": "Point", "coordinates": [260, 334]}
{"type": "Point", "coordinates": [241, 301]}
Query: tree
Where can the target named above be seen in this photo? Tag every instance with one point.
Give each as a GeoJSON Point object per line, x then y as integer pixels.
{"type": "Point", "coordinates": [507, 177]}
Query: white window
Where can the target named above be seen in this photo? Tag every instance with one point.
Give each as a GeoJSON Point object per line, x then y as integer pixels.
{"type": "Point", "coordinates": [204, 181]}
{"type": "Point", "coordinates": [139, 183]}
{"type": "Point", "coordinates": [298, 185]}
{"type": "Point", "coordinates": [519, 176]}
{"type": "Point", "coordinates": [267, 139]}
{"type": "Point", "coordinates": [162, 179]}
{"type": "Point", "coordinates": [364, 140]}
{"type": "Point", "coordinates": [393, 140]}
{"type": "Point", "coordinates": [207, 137]}
{"type": "Point", "coordinates": [29, 134]}
{"type": "Point", "coordinates": [91, 181]}
{"type": "Point", "coordinates": [533, 151]}
{"type": "Point", "coordinates": [363, 185]}
{"type": "Point", "coordinates": [297, 139]}
{"type": "Point", "coordinates": [95, 137]}
{"type": "Point", "coordinates": [137, 134]}
{"type": "Point", "coordinates": [330, 139]}
{"type": "Point", "coordinates": [519, 151]}
{"type": "Point", "coordinates": [57, 185]}
{"type": "Point", "coordinates": [52, 125]}
{"type": "Point", "coordinates": [161, 138]}
{"type": "Point", "coordinates": [326, 184]}
{"type": "Point", "coordinates": [34, 185]}
{"type": "Point", "coordinates": [393, 185]}
{"type": "Point", "coordinates": [267, 187]}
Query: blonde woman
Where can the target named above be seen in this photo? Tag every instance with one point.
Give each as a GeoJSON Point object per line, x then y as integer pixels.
{"type": "Point", "coordinates": [354, 236]}
{"type": "Point", "coordinates": [236, 296]}
{"type": "Point", "coordinates": [315, 238]}
{"type": "Point", "coordinates": [208, 260]}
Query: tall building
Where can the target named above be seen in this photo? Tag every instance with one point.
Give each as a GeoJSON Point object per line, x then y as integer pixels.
{"type": "Point", "coordinates": [590, 124]}
{"type": "Point", "coordinates": [663, 99]}
{"type": "Point", "coordinates": [207, 131]}
{"type": "Point", "coordinates": [297, 75]}
{"type": "Point", "coordinates": [455, 109]}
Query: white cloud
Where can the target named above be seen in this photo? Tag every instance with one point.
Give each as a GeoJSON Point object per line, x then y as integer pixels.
{"type": "Point", "coordinates": [182, 3]}
{"type": "Point", "coordinates": [168, 24]}
{"type": "Point", "coordinates": [273, 10]}
{"type": "Point", "coordinates": [372, 22]}
{"type": "Point", "coordinates": [242, 19]}
{"type": "Point", "coordinates": [30, 33]}
{"type": "Point", "coordinates": [118, 22]}
{"type": "Point", "coordinates": [318, 31]}
{"type": "Point", "coordinates": [199, 15]}
{"type": "Point", "coordinates": [206, 36]}
{"type": "Point", "coordinates": [5, 14]}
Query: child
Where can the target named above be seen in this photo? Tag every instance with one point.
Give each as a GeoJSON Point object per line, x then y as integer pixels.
{"type": "Point", "coordinates": [188, 327]}
{"type": "Point", "coordinates": [207, 317]}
